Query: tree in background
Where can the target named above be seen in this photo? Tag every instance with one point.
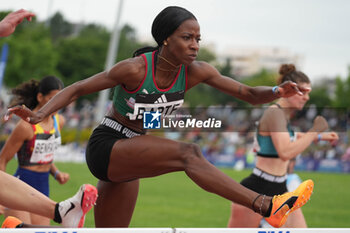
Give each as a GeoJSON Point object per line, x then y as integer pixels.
{"type": "Point", "coordinates": [76, 51]}
{"type": "Point", "coordinates": [128, 42]}
{"type": "Point", "coordinates": [59, 27]}
{"type": "Point", "coordinates": [83, 55]}
{"type": "Point", "coordinates": [31, 54]}
{"type": "Point", "coordinates": [342, 92]}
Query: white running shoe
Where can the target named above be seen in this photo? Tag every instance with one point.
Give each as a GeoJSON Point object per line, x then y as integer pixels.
{"type": "Point", "coordinates": [73, 210]}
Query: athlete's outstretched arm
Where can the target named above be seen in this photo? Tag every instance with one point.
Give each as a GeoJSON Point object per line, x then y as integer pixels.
{"type": "Point", "coordinates": [21, 132]}
{"type": "Point", "coordinates": [125, 72]}
{"type": "Point", "coordinates": [203, 72]}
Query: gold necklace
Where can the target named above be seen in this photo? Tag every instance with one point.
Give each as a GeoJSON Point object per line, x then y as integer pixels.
{"type": "Point", "coordinates": [161, 69]}
{"type": "Point", "coordinates": [167, 61]}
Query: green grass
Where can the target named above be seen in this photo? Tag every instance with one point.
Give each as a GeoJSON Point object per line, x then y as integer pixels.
{"type": "Point", "coordinates": [173, 200]}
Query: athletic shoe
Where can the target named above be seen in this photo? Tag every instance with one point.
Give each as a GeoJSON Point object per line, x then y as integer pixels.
{"type": "Point", "coordinates": [283, 205]}
{"type": "Point", "coordinates": [12, 222]}
{"type": "Point", "coordinates": [73, 210]}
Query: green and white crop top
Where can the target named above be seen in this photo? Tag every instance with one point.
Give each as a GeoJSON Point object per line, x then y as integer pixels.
{"type": "Point", "coordinates": [148, 96]}
{"type": "Point", "coordinates": [266, 147]}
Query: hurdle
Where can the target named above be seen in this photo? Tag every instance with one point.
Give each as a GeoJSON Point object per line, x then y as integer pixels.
{"type": "Point", "coordinates": [176, 230]}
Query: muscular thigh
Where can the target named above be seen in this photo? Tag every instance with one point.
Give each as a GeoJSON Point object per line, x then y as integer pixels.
{"type": "Point", "coordinates": [145, 156]}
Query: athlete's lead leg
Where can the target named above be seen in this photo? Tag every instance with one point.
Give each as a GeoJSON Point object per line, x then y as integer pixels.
{"type": "Point", "coordinates": [115, 203]}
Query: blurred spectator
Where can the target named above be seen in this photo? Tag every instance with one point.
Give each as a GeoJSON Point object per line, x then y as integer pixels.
{"type": "Point", "coordinates": [346, 156]}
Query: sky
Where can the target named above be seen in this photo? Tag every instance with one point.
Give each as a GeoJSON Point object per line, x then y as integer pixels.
{"type": "Point", "coordinates": [316, 30]}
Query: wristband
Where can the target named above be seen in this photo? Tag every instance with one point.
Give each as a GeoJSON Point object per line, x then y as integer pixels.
{"type": "Point", "coordinates": [275, 90]}
{"type": "Point", "coordinates": [56, 173]}
{"type": "Point", "coordinates": [319, 137]}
